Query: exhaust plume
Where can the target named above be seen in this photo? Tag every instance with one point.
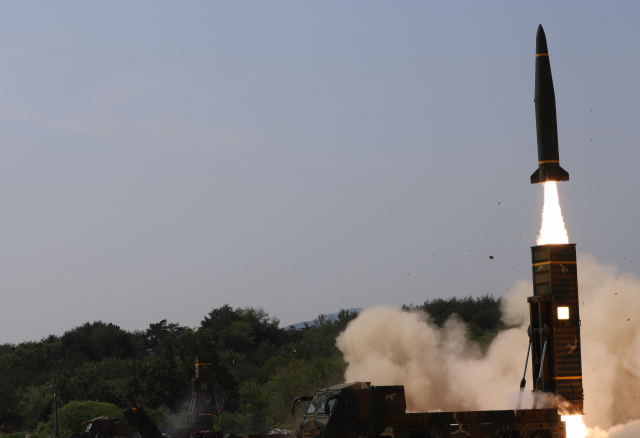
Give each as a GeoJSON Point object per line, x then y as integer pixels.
{"type": "Point", "coordinates": [552, 229]}
{"type": "Point", "coordinates": [442, 370]}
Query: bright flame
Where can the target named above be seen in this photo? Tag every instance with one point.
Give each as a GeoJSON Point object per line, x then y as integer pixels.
{"type": "Point", "coordinates": [575, 426]}
{"type": "Point", "coordinates": [552, 230]}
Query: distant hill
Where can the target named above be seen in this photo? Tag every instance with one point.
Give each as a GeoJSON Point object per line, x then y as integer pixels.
{"type": "Point", "coordinates": [300, 325]}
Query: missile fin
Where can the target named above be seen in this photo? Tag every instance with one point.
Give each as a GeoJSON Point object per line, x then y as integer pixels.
{"type": "Point", "coordinates": [563, 175]}
{"type": "Point", "coordinates": [535, 177]}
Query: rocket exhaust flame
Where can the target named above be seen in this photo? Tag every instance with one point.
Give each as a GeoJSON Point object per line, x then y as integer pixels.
{"type": "Point", "coordinates": [575, 426]}
{"type": "Point", "coordinates": [447, 371]}
{"type": "Point", "coordinates": [552, 229]}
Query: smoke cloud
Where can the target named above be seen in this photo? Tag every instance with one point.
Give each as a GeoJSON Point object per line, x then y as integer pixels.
{"type": "Point", "coordinates": [442, 370]}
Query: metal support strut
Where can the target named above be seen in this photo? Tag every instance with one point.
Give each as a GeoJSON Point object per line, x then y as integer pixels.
{"type": "Point", "coordinates": [523, 382]}
{"type": "Point", "coordinates": [537, 385]}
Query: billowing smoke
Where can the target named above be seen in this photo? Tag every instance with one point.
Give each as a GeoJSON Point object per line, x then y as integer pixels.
{"type": "Point", "coordinates": [442, 370]}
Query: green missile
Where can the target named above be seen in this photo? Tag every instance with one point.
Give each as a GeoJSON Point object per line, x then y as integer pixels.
{"type": "Point", "coordinates": [546, 124]}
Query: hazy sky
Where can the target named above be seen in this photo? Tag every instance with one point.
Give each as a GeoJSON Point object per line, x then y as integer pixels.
{"type": "Point", "coordinates": [160, 159]}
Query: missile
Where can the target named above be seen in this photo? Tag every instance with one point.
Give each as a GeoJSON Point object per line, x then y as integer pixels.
{"type": "Point", "coordinates": [546, 124]}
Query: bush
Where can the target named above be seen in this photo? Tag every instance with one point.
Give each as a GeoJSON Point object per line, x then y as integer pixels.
{"type": "Point", "coordinates": [73, 414]}
{"type": "Point", "coordinates": [232, 422]}
{"type": "Point", "coordinates": [21, 435]}
{"type": "Point", "coordinates": [159, 416]}
{"type": "Point", "coordinates": [179, 419]}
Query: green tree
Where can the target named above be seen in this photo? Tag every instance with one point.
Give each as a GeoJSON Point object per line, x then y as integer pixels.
{"type": "Point", "coordinates": [159, 378]}
{"type": "Point", "coordinates": [98, 340]}
{"type": "Point", "coordinates": [480, 313]}
{"type": "Point", "coordinates": [34, 404]}
{"type": "Point", "coordinates": [296, 378]}
{"type": "Point", "coordinates": [319, 338]}
{"type": "Point", "coordinates": [156, 333]}
{"type": "Point", "coordinates": [105, 381]}
{"type": "Point", "coordinates": [243, 330]}
{"type": "Point", "coordinates": [71, 416]}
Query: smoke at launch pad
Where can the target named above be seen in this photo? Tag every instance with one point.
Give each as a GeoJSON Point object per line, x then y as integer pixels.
{"type": "Point", "coordinates": [442, 370]}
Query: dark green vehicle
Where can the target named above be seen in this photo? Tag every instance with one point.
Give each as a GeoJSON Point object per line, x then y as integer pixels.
{"type": "Point", "coordinates": [361, 410]}
{"type": "Point", "coordinates": [104, 427]}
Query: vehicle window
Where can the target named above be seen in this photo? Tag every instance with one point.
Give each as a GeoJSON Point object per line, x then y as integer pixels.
{"type": "Point", "coordinates": [324, 408]}
{"type": "Point", "coordinates": [312, 407]}
{"type": "Point", "coordinates": [88, 429]}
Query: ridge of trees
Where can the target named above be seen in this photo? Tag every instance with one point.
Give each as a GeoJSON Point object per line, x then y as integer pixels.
{"type": "Point", "coordinates": [259, 365]}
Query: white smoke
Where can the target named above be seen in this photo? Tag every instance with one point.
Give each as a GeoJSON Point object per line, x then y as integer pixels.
{"type": "Point", "coordinates": [442, 370]}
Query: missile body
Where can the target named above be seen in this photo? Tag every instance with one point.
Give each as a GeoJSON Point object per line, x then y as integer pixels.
{"type": "Point", "coordinates": [546, 125]}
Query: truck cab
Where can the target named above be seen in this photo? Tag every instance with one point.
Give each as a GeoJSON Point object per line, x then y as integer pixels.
{"type": "Point", "coordinates": [103, 427]}
{"type": "Point", "coordinates": [351, 410]}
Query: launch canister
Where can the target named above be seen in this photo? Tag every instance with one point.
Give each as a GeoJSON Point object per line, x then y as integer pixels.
{"type": "Point", "coordinates": [554, 311]}
{"type": "Point", "coordinates": [546, 124]}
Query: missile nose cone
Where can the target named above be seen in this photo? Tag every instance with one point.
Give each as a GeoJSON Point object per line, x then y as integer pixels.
{"type": "Point", "coordinates": [541, 41]}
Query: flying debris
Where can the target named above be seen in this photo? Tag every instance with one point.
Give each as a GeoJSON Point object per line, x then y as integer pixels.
{"type": "Point", "coordinates": [546, 124]}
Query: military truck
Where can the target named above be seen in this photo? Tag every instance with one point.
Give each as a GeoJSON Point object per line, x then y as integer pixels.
{"type": "Point", "coordinates": [104, 427]}
{"type": "Point", "coordinates": [361, 410]}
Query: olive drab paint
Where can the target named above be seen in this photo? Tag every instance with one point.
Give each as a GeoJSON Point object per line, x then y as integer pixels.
{"type": "Point", "coordinates": [554, 312]}
{"type": "Point", "coordinates": [137, 416]}
{"type": "Point", "coordinates": [546, 123]}
{"type": "Point", "coordinates": [362, 410]}
{"type": "Point", "coordinates": [104, 427]}
{"type": "Point", "coordinates": [554, 308]}
{"type": "Point", "coordinates": [201, 407]}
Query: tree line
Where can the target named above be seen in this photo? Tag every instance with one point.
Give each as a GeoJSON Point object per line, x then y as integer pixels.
{"type": "Point", "coordinates": [258, 365]}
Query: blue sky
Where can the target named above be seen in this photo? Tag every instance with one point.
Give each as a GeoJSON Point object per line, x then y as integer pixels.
{"type": "Point", "coordinates": [160, 159]}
